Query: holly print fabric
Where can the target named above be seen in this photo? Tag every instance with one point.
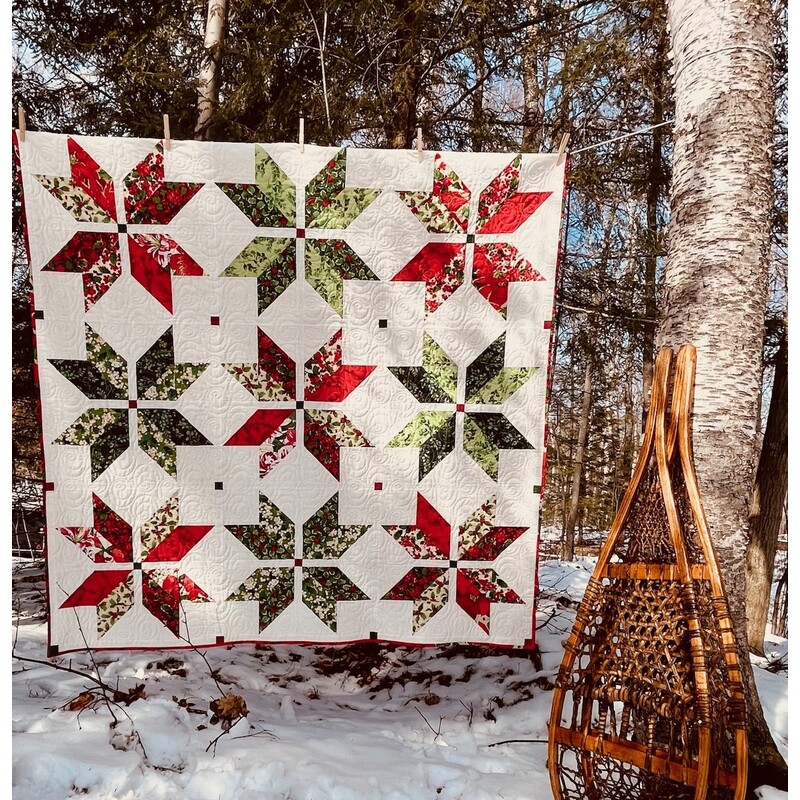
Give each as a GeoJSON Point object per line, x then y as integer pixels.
{"type": "Point", "coordinates": [289, 396]}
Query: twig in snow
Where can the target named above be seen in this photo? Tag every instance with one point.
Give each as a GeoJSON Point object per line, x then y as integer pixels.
{"type": "Point", "coordinates": [62, 668]}
{"type": "Point", "coordinates": [509, 741]}
{"type": "Point", "coordinates": [437, 733]}
{"type": "Point", "coordinates": [104, 688]}
{"type": "Point", "coordinates": [215, 740]}
{"type": "Point", "coordinates": [97, 671]}
{"type": "Point", "coordinates": [470, 710]}
{"type": "Point", "coordinates": [556, 611]}
{"type": "Point", "coordinates": [139, 690]}
{"type": "Point", "coordinates": [202, 655]}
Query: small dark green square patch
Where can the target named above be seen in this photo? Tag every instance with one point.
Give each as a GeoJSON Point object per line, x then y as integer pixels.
{"type": "Point", "coordinates": [470, 238]}
{"type": "Point", "coordinates": [122, 228]}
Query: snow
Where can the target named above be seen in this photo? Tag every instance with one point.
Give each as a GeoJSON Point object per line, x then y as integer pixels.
{"type": "Point", "coordinates": [768, 793]}
{"type": "Point", "coordinates": [367, 722]}
{"type": "Point", "coordinates": [773, 689]}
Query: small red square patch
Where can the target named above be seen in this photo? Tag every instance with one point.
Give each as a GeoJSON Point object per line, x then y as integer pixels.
{"type": "Point", "coordinates": [378, 486]}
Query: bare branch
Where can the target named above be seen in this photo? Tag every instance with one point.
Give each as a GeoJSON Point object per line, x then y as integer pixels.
{"type": "Point", "coordinates": [321, 42]}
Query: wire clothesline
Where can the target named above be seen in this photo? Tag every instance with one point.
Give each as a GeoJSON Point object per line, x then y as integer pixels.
{"type": "Point", "coordinates": [623, 136]}
{"type": "Point", "coordinates": [22, 126]}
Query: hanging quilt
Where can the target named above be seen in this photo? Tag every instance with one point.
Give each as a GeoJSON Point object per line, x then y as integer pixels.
{"type": "Point", "coordinates": [290, 396]}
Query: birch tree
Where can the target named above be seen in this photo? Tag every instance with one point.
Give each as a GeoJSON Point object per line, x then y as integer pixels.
{"type": "Point", "coordinates": [716, 272]}
{"type": "Point", "coordinates": [208, 82]}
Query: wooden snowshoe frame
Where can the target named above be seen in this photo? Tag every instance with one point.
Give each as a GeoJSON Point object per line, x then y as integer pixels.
{"type": "Point", "coordinates": [649, 702]}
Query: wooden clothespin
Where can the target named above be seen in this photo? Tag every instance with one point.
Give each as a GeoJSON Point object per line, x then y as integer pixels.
{"type": "Point", "coordinates": [302, 137]}
{"type": "Point", "coordinates": [167, 140]}
{"type": "Point", "coordinates": [21, 124]}
{"type": "Point", "coordinates": [419, 145]}
{"type": "Point", "coordinates": [562, 148]}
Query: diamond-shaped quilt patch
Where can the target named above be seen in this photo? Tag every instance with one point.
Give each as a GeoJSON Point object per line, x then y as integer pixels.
{"type": "Point", "coordinates": [285, 401]}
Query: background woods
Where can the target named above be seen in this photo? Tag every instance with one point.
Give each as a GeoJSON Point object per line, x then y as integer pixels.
{"type": "Point", "coordinates": [475, 75]}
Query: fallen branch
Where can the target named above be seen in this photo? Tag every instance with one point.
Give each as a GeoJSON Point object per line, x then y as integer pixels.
{"type": "Point", "coordinates": [103, 686]}
{"type": "Point", "coordinates": [509, 741]}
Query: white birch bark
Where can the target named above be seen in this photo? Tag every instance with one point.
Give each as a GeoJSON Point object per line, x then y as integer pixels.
{"type": "Point", "coordinates": [718, 254]}
{"type": "Point", "coordinates": [208, 77]}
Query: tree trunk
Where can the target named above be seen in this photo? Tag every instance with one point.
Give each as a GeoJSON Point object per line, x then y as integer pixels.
{"type": "Point", "coordinates": [532, 94]}
{"type": "Point", "coordinates": [568, 545]}
{"type": "Point", "coordinates": [400, 115]}
{"type": "Point", "coordinates": [655, 179]}
{"type": "Point", "coordinates": [716, 274]}
{"type": "Point", "coordinates": [780, 608]}
{"type": "Point", "coordinates": [478, 122]}
{"type": "Point", "coordinates": [208, 80]}
{"type": "Point", "coordinates": [766, 509]}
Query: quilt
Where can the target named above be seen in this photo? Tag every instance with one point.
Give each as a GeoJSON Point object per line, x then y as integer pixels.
{"type": "Point", "coordinates": [289, 394]}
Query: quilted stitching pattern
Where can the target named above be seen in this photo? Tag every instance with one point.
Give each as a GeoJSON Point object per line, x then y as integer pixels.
{"type": "Point", "coordinates": [290, 397]}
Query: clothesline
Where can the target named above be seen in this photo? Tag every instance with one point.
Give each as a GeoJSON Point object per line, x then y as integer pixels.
{"type": "Point", "coordinates": [22, 127]}
{"type": "Point", "coordinates": [624, 136]}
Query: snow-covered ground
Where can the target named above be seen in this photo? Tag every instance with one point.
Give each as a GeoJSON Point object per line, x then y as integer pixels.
{"type": "Point", "coordinates": [369, 722]}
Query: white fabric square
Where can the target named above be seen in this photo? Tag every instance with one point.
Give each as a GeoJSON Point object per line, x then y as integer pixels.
{"type": "Point", "coordinates": [217, 485]}
{"type": "Point", "coordinates": [378, 487]}
{"type": "Point", "coordinates": [307, 473]}
{"type": "Point", "coordinates": [383, 323]}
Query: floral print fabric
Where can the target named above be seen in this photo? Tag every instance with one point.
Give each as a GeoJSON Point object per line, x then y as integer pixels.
{"type": "Point", "coordinates": [290, 396]}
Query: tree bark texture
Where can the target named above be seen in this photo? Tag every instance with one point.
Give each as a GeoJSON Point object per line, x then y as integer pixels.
{"type": "Point", "coordinates": [208, 80]}
{"type": "Point", "coordinates": [478, 124]}
{"type": "Point", "coordinates": [716, 272]}
{"type": "Point", "coordinates": [766, 508]}
{"type": "Point", "coordinates": [780, 608]}
{"type": "Point", "coordinates": [568, 546]}
{"type": "Point", "coordinates": [400, 113]}
{"type": "Point", "coordinates": [655, 179]}
{"type": "Point", "coordinates": [532, 93]}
